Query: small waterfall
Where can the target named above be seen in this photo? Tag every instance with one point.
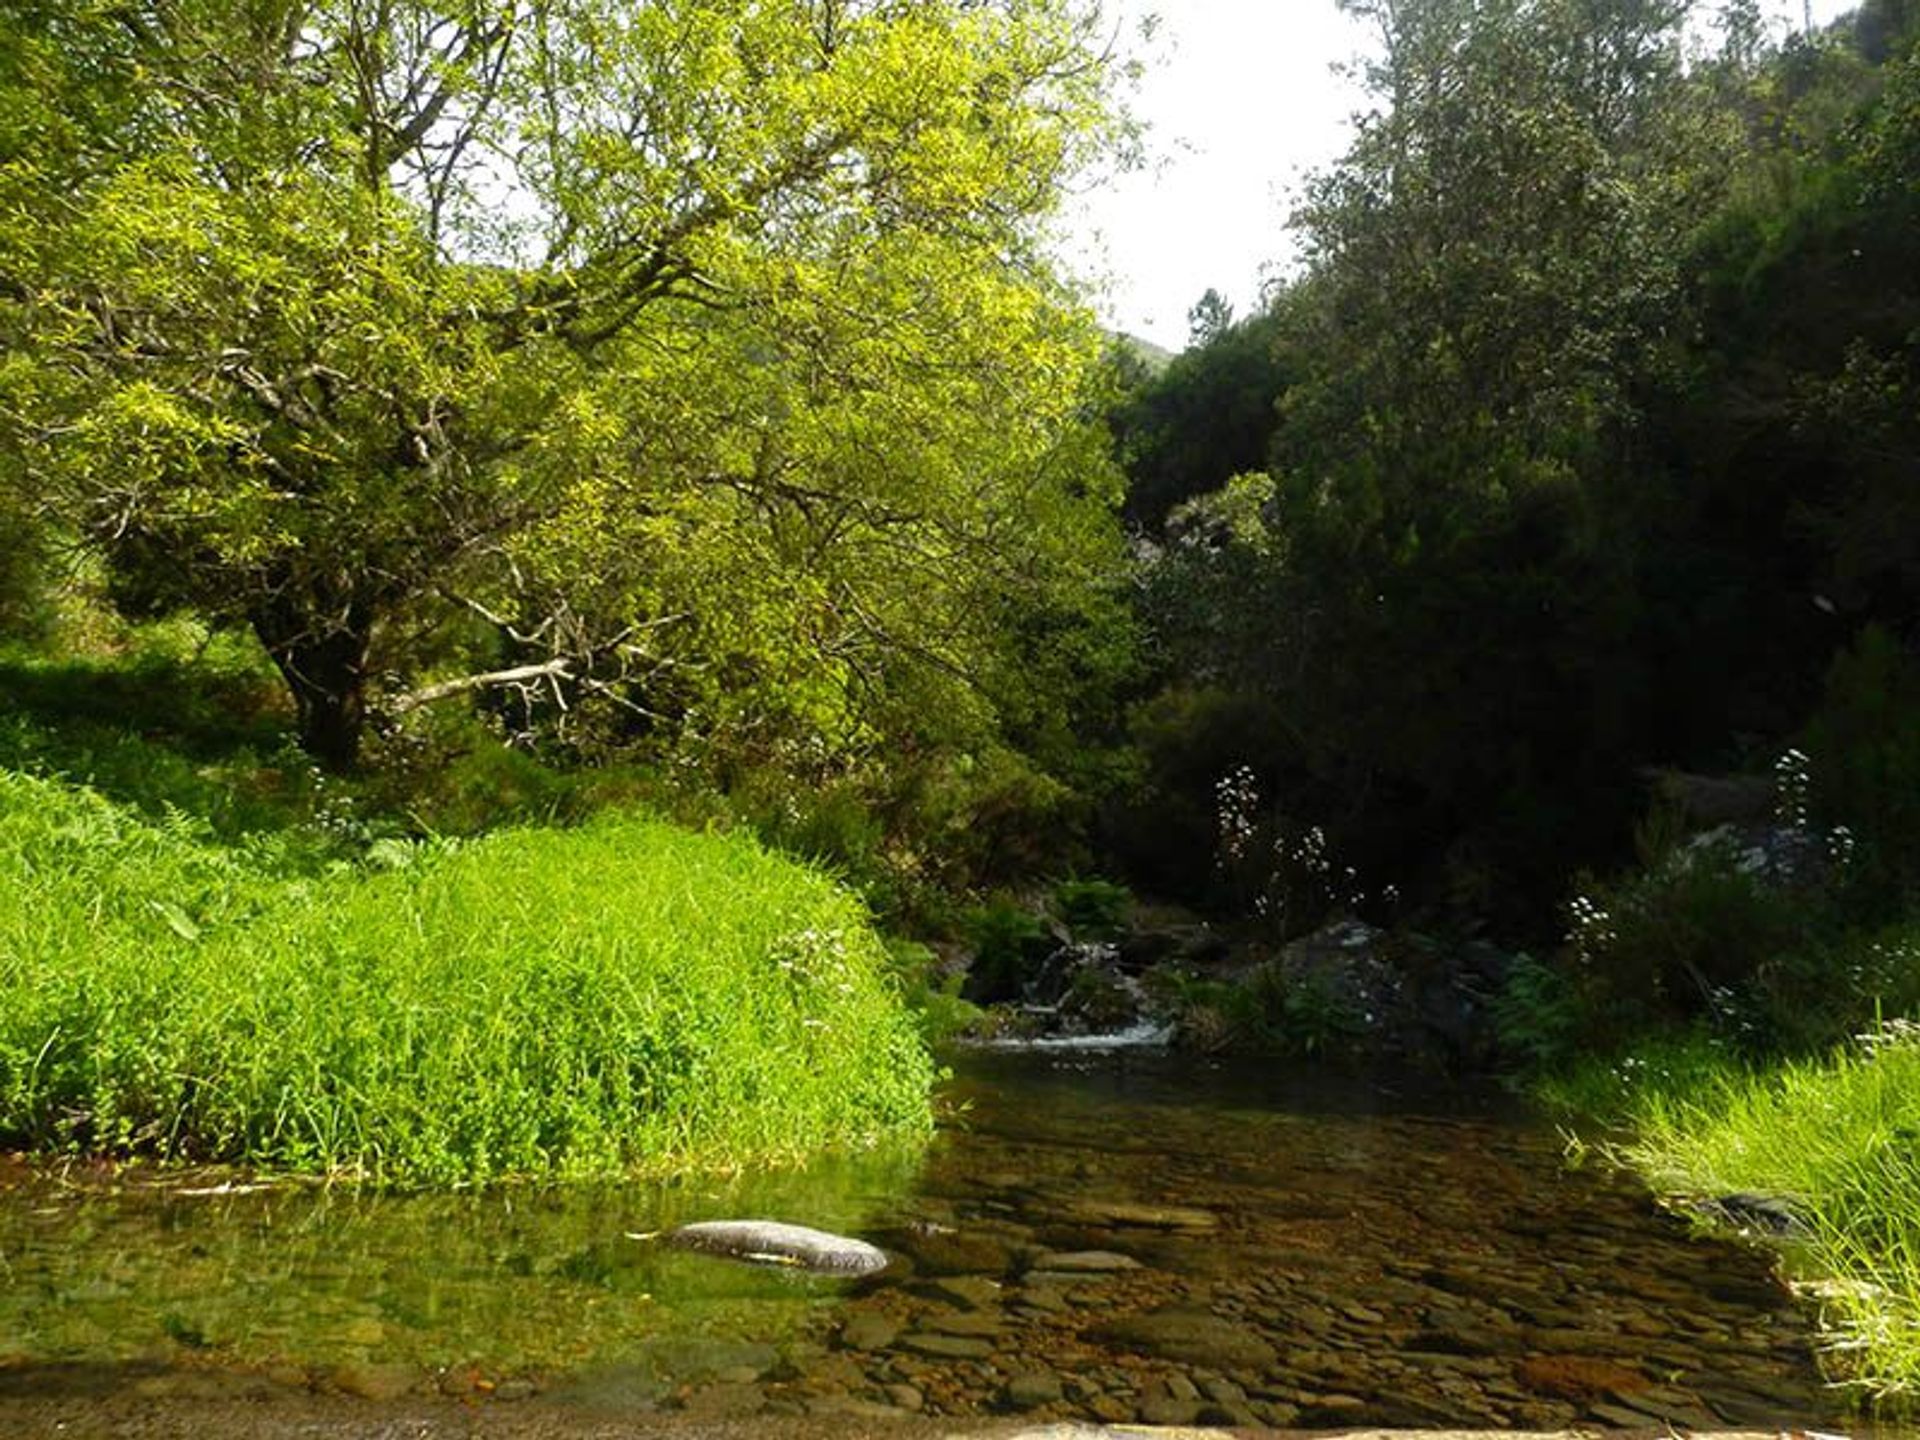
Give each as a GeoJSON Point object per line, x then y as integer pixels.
{"type": "Point", "coordinates": [1057, 1014]}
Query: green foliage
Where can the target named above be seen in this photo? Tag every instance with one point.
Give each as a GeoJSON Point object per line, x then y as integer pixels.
{"type": "Point", "coordinates": [985, 818]}
{"type": "Point", "coordinates": [1422, 583]}
{"type": "Point", "coordinates": [1588, 442]}
{"type": "Point", "coordinates": [932, 993]}
{"type": "Point", "coordinates": [1687, 937]}
{"type": "Point", "coordinates": [1091, 909]}
{"type": "Point", "coordinates": [1864, 745]}
{"type": "Point", "coordinates": [459, 779]}
{"type": "Point", "coordinates": [24, 611]}
{"type": "Point", "coordinates": [1268, 1010]}
{"type": "Point", "coordinates": [1208, 416]}
{"type": "Point", "coordinates": [1776, 943]}
{"type": "Point", "coordinates": [537, 1002]}
{"type": "Point", "coordinates": [1166, 828]}
{"type": "Point", "coordinates": [1009, 942]}
{"type": "Point", "coordinates": [1835, 1138]}
{"type": "Point", "coordinates": [1614, 1089]}
{"type": "Point", "coordinates": [181, 723]}
{"type": "Point", "coordinates": [1307, 1014]}
{"type": "Point", "coordinates": [736, 425]}
{"type": "Point", "coordinates": [1537, 1017]}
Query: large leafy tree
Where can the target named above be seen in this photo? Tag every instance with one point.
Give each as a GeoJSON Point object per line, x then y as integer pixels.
{"type": "Point", "coordinates": [701, 347]}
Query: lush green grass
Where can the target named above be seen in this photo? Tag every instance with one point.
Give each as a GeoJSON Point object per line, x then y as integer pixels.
{"type": "Point", "coordinates": [1838, 1137]}
{"type": "Point", "coordinates": [537, 1001]}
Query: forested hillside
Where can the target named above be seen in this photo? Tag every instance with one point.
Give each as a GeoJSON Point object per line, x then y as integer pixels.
{"type": "Point", "coordinates": [1583, 442]}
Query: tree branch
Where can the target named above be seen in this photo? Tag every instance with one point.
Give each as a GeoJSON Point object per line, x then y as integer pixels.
{"type": "Point", "coordinates": [556, 669]}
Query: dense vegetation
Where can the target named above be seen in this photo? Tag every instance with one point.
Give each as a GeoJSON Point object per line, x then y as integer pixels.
{"type": "Point", "coordinates": [1539, 563]}
{"type": "Point", "coordinates": [538, 1002]}
{"type": "Point", "coordinates": [687, 378]}
{"type": "Point", "coordinates": [1586, 440]}
{"type": "Point", "coordinates": [565, 407]}
{"type": "Point", "coordinates": [533, 412]}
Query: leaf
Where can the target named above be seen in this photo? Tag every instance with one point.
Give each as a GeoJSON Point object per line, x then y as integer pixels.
{"type": "Point", "coordinates": [177, 919]}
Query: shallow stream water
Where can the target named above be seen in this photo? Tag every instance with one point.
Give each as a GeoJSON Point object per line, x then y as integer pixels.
{"type": "Point", "coordinates": [1118, 1238]}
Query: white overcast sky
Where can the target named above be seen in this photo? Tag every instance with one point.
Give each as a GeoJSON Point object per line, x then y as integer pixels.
{"type": "Point", "coordinates": [1242, 101]}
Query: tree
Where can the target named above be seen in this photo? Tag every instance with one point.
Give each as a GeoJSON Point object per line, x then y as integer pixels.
{"type": "Point", "coordinates": [1500, 242]}
{"type": "Point", "coordinates": [1209, 415]}
{"type": "Point", "coordinates": [1428, 591]}
{"type": "Point", "coordinates": [334, 317]}
{"type": "Point", "coordinates": [1209, 318]}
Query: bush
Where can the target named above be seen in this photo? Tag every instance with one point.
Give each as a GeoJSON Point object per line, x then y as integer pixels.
{"type": "Point", "coordinates": [536, 1002]}
{"type": "Point", "coordinates": [932, 993]}
{"type": "Point", "coordinates": [1009, 944]}
{"type": "Point", "coordinates": [1864, 746]}
{"type": "Point", "coordinates": [1266, 1011]}
{"type": "Point", "coordinates": [1092, 909]}
{"type": "Point", "coordinates": [1537, 1016]}
{"type": "Point", "coordinates": [25, 611]}
{"type": "Point", "coordinates": [1685, 938]}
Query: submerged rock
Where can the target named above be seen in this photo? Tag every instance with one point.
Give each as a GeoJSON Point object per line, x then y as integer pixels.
{"type": "Point", "coordinates": [1030, 1389]}
{"type": "Point", "coordinates": [867, 1330]}
{"type": "Point", "coordinates": [1748, 1211]}
{"type": "Point", "coordinates": [770, 1242]}
{"type": "Point", "coordinates": [1152, 1217]}
{"type": "Point", "coordinates": [1083, 1262]}
{"type": "Point", "coordinates": [1189, 1337]}
{"type": "Point", "coordinates": [947, 1347]}
{"type": "Point", "coordinates": [953, 1253]}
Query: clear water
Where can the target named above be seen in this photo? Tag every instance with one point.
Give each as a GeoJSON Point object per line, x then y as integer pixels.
{"type": "Point", "coordinates": [1122, 1237]}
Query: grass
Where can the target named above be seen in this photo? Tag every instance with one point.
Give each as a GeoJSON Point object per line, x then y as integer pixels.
{"type": "Point", "coordinates": [1838, 1137]}
{"type": "Point", "coordinates": [539, 1001]}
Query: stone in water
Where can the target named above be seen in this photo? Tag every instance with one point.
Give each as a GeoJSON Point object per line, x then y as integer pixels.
{"type": "Point", "coordinates": [770, 1242]}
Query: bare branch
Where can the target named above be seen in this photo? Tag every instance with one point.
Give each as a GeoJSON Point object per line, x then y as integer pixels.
{"type": "Point", "coordinates": [555, 670]}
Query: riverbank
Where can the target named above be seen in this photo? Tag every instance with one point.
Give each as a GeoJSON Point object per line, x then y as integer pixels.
{"type": "Point", "coordinates": [577, 1002]}
{"type": "Point", "coordinates": [157, 1419]}
{"type": "Point", "coordinates": [1820, 1156]}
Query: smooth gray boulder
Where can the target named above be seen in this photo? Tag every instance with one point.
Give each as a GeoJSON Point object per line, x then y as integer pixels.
{"type": "Point", "coordinates": [771, 1242]}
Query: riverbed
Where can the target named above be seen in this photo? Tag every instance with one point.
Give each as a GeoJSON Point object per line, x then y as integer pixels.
{"type": "Point", "coordinates": [1134, 1238]}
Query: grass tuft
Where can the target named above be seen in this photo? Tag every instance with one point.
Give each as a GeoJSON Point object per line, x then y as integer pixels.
{"type": "Point", "coordinates": [551, 1002]}
{"type": "Point", "coordinates": [1838, 1138]}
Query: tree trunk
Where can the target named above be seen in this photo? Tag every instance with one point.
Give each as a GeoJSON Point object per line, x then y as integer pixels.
{"type": "Point", "coordinates": [323, 659]}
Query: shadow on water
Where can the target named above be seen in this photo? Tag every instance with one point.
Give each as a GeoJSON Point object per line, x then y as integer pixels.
{"type": "Point", "coordinates": [1117, 1238]}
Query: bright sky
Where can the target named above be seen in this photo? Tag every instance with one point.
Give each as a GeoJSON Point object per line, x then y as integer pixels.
{"type": "Point", "coordinates": [1242, 102]}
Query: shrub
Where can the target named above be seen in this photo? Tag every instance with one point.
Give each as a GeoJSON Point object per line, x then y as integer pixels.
{"type": "Point", "coordinates": [1864, 745]}
{"type": "Point", "coordinates": [1702, 933]}
{"type": "Point", "coordinates": [932, 992]}
{"type": "Point", "coordinates": [1009, 943]}
{"type": "Point", "coordinates": [1265, 1011]}
{"type": "Point", "coordinates": [25, 611]}
{"type": "Point", "coordinates": [1092, 909]}
{"type": "Point", "coordinates": [1537, 1017]}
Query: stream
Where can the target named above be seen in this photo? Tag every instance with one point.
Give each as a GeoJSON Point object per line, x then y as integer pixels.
{"type": "Point", "coordinates": [1121, 1238]}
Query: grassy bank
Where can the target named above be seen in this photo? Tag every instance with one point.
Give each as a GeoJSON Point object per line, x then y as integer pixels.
{"type": "Point", "coordinates": [538, 1001]}
{"type": "Point", "coordinates": [1836, 1138]}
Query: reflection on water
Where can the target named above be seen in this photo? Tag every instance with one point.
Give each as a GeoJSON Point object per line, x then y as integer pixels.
{"type": "Point", "coordinates": [145, 1265]}
{"type": "Point", "coordinates": [1119, 1239]}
